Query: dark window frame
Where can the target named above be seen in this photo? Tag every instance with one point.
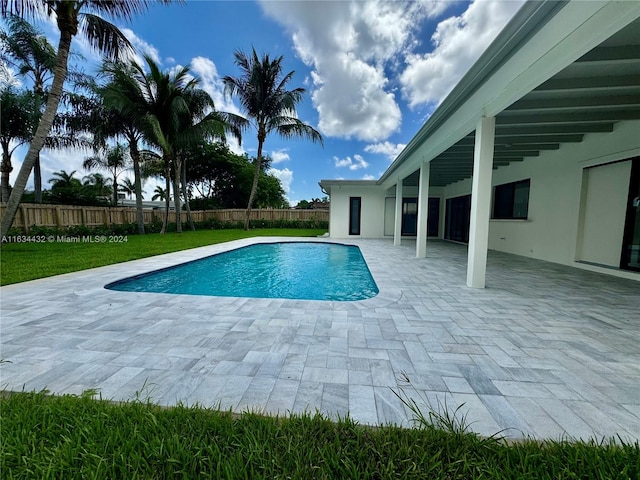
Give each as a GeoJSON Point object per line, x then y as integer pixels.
{"type": "Point", "coordinates": [354, 229]}
{"type": "Point", "coordinates": [409, 219]}
{"type": "Point", "coordinates": [458, 218]}
{"type": "Point", "coordinates": [504, 201]}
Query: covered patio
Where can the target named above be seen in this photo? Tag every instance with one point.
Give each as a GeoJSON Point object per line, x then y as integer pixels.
{"type": "Point", "coordinates": [545, 350]}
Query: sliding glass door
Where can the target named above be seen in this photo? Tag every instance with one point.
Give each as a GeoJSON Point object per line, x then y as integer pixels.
{"type": "Point", "coordinates": [631, 241]}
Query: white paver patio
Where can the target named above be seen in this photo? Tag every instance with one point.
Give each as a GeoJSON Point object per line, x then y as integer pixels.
{"type": "Point", "coordinates": [545, 350]}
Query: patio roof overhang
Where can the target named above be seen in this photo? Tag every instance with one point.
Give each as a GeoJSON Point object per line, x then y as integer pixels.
{"type": "Point", "coordinates": [558, 71]}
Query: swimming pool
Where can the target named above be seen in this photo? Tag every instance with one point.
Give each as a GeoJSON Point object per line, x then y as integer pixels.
{"type": "Point", "coordinates": [292, 270]}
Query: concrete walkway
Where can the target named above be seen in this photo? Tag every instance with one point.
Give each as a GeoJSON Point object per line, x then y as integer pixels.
{"type": "Point", "coordinates": [545, 351]}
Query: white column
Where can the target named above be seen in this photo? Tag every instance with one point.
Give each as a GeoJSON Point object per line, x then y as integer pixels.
{"type": "Point", "coordinates": [423, 210]}
{"type": "Point", "coordinates": [397, 229]}
{"type": "Point", "coordinates": [480, 202]}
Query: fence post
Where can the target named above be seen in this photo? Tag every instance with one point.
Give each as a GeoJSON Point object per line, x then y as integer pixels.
{"type": "Point", "coordinates": [58, 219]}
{"type": "Point", "coordinates": [107, 218]}
{"type": "Point", "coordinates": [25, 222]}
{"type": "Point", "coordinates": [83, 216]}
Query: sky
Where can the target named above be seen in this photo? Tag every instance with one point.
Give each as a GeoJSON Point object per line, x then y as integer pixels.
{"type": "Point", "coordinates": [373, 71]}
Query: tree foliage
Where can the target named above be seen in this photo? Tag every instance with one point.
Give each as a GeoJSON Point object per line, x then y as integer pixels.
{"type": "Point", "coordinates": [219, 178]}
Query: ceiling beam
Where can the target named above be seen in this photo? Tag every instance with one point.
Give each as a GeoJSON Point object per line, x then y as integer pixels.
{"type": "Point", "coordinates": [586, 102]}
{"type": "Point", "coordinates": [621, 53]}
{"type": "Point", "coordinates": [506, 146]}
{"type": "Point", "coordinates": [457, 163]}
{"type": "Point", "coordinates": [612, 82]}
{"type": "Point", "coordinates": [513, 158]}
{"type": "Point", "coordinates": [527, 139]}
{"type": "Point", "coordinates": [496, 154]}
{"type": "Point", "coordinates": [568, 117]}
{"type": "Point", "coordinates": [577, 127]}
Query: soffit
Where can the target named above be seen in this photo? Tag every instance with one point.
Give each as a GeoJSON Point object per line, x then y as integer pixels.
{"type": "Point", "coordinates": [590, 95]}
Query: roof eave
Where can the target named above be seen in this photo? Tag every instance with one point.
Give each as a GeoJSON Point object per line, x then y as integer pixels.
{"type": "Point", "coordinates": [525, 23]}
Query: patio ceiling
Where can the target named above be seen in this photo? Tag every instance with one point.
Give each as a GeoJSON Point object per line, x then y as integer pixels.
{"type": "Point", "coordinates": [590, 95]}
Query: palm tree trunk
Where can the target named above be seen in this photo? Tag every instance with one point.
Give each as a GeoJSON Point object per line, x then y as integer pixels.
{"type": "Point", "coordinates": [137, 182]}
{"type": "Point", "coordinates": [53, 100]}
{"type": "Point", "coordinates": [186, 195]}
{"type": "Point", "coordinates": [37, 180]}
{"type": "Point", "coordinates": [5, 171]}
{"type": "Point", "coordinates": [115, 191]}
{"type": "Point", "coordinates": [167, 184]}
{"type": "Point", "coordinates": [176, 193]}
{"type": "Point", "coordinates": [254, 186]}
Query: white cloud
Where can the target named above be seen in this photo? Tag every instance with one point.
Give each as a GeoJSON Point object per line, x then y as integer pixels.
{"type": "Point", "coordinates": [210, 82]}
{"type": "Point", "coordinates": [391, 150]}
{"type": "Point", "coordinates": [368, 177]}
{"type": "Point", "coordinates": [141, 48]}
{"type": "Point", "coordinates": [279, 156]}
{"type": "Point", "coordinates": [349, 45]}
{"type": "Point", "coordinates": [286, 177]}
{"type": "Point", "coordinates": [458, 42]}
{"type": "Point", "coordinates": [355, 163]}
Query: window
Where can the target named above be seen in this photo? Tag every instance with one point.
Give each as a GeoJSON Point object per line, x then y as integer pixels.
{"type": "Point", "coordinates": [355, 210]}
{"type": "Point", "coordinates": [511, 200]}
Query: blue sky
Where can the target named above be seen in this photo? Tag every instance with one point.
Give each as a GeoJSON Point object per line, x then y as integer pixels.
{"type": "Point", "coordinates": [374, 71]}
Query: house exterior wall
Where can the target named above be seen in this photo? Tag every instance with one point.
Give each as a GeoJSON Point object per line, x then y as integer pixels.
{"type": "Point", "coordinates": [566, 222]}
{"type": "Point", "coordinates": [372, 214]}
{"type": "Point", "coordinates": [555, 228]}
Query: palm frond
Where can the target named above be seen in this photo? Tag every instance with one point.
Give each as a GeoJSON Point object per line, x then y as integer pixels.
{"type": "Point", "coordinates": [104, 36]}
{"type": "Point", "coordinates": [26, 8]}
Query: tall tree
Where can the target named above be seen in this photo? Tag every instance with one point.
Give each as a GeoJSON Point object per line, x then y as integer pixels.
{"type": "Point", "coordinates": [268, 105]}
{"type": "Point", "coordinates": [28, 50]}
{"type": "Point", "coordinates": [124, 101]}
{"type": "Point", "coordinates": [172, 113]}
{"type": "Point", "coordinates": [15, 130]}
{"type": "Point", "coordinates": [115, 160]}
{"type": "Point", "coordinates": [70, 17]}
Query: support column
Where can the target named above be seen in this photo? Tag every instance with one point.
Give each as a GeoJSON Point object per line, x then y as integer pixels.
{"type": "Point", "coordinates": [480, 202]}
{"type": "Point", "coordinates": [423, 210]}
{"type": "Point", "coordinates": [397, 229]}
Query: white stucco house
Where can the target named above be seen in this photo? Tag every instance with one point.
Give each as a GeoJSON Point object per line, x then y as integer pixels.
{"type": "Point", "coordinates": [535, 152]}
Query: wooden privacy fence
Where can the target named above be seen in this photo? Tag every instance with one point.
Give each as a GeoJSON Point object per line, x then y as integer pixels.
{"type": "Point", "coordinates": [64, 216]}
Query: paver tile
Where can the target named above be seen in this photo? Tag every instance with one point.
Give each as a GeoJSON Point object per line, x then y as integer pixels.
{"type": "Point", "coordinates": [553, 354]}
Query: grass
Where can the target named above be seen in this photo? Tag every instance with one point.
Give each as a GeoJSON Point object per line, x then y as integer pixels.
{"type": "Point", "coordinates": [70, 437]}
{"type": "Point", "coordinates": [20, 262]}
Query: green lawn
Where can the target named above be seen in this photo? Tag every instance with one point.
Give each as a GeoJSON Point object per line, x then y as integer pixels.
{"type": "Point", "coordinates": [20, 262]}
{"type": "Point", "coordinates": [43, 437]}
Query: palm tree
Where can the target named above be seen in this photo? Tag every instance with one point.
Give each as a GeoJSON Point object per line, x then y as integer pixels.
{"type": "Point", "coordinates": [172, 114]}
{"type": "Point", "coordinates": [159, 194]}
{"type": "Point", "coordinates": [99, 184]}
{"type": "Point", "coordinates": [267, 104]}
{"type": "Point", "coordinates": [126, 113]}
{"type": "Point", "coordinates": [29, 51]}
{"type": "Point", "coordinates": [115, 160]}
{"type": "Point", "coordinates": [63, 178]}
{"type": "Point", "coordinates": [70, 17]}
{"type": "Point", "coordinates": [128, 187]}
{"type": "Point", "coordinates": [15, 128]}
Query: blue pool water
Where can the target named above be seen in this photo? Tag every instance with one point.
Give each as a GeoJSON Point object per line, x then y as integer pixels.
{"type": "Point", "coordinates": [295, 270]}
